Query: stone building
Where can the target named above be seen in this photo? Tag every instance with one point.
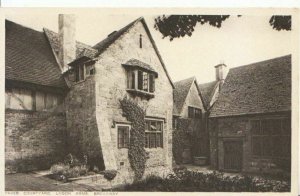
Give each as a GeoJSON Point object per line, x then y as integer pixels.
{"type": "Point", "coordinates": [188, 106]}
{"type": "Point", "coordinates": [92, 81]}
{"type": "Point", "coordinates": [250, 123]}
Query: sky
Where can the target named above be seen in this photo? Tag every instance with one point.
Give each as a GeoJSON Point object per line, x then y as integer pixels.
{"type": "Point", "coordinates": [240, 40]}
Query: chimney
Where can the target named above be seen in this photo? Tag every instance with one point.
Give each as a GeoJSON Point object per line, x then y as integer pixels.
{"type": "Point", "coordinates": [220, 75]}
{"type": "Point", "coordinates": [67, 40]}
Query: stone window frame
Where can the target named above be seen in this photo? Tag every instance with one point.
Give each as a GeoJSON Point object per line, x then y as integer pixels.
{"type": "Point", "coordinates": [148, 134]}
{"type": "Point", "coordinates": [140, 82]}
{"type": "Point", "coordinates": [118, 136]}
{"type": "Point", "coordinates": [270, 137]}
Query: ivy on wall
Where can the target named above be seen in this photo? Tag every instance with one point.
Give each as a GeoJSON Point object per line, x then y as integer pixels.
{"type": "Point", "coordinates": [136, 153]}
{"type": "Point", "coordinates": [186, 136]}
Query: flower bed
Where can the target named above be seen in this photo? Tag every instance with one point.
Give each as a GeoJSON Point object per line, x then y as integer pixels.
{"type": "Point", "coordinates": [190, 181]}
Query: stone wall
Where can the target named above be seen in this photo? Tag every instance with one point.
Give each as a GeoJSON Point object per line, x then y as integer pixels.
{"type": "Point", "coordinates": [111, 88]}
{"type": "Point", "coordinates": [198, 143]}
{"type": "Point", "coordinates": [238, 129]}
{"type": "Point", "coordinates": [82, 132]}
{"type": "Point", "coordinates": [33, 140]}
{"type": "Point", "coordinates": [193, 99]}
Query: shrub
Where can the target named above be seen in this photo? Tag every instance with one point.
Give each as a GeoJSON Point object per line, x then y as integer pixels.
{"type": "Point", "coordinates": [109, 174]}
{"type": "Point", "coordinates": [59, 169]}
{"type": "Point", "coordinates": [184, 180]}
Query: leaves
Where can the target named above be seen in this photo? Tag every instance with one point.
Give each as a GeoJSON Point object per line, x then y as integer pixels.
{"type": "Point", "coordinates": [136, 152]}
{"type": "Point", "coordinates": [176, 26]}
{"type": "Point", "coordinates": [281, 22]}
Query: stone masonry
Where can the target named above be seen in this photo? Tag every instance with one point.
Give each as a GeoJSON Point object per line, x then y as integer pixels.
{"type": "Point", "coordinates": [238, 129]}
{"type": "Point", "coordinates": [33, 140]}
{"type": "Point", "coordinates": [111, 86]}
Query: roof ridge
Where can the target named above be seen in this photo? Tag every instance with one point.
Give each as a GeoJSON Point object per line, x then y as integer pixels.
{"type": "Point", "coordinates": [23, 26]}
{"type": "Point", "coordinates": [79, 42]}
{"type": "Point", "coordinates": [113, 36]}
{"type": "Point", "coordinates": [190, 78]}
{"type": "Point", "coordinates": [264, 61]}
{"type": "Point", "coordinates": [207, 82]}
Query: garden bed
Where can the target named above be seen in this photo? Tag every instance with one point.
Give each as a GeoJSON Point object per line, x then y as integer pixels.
{"type": "Point", "coordinates": [191, 181]}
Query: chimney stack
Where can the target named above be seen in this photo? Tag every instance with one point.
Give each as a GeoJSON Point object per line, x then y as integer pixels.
{"type": "Point", "coordinates": [67, 40]}
{"type": "Point", "coordinates": [220, 69]}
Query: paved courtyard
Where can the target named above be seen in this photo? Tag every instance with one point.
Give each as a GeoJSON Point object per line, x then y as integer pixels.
{"type": "Point", "coordinates": [35, 182]}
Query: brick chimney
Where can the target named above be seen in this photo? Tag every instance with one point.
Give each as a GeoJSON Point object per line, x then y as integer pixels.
{"type": "Point", "coordinates": [220, 69]}
{"type": "Point", "coordinates": [66, 33]}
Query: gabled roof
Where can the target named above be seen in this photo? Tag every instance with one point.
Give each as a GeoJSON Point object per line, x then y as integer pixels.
{"type": "Point", "coordinates": [263, 87]}
{"type": "Point", "coordinates": [180, 93]}
{"type": "Point", "coordinates": [208, 91]}
{"type": "Point", "coordinates": [82, 50]}
{"type": "Point", "coordinates": [29, 58]}
{"type": "Point", "coordinates": [104, 44]}
{"type": "Point", "coordinates": [111, 38]}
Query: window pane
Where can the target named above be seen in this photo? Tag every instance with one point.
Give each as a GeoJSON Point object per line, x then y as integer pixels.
{"type": "Point", "coordinates": [147, 141]}
{"type": "Point", "coordinates": [267, 146]}
{"type": "Point", "coordinates": [266, 127]}
{"type": "Point", "coordinates": [145, 81]}
{"type": "Point", "coordinates": [255, 127]}
{"type": "Point", "coordinates": [147, 125]}
{"type": "Point", "coordinates": [126, 137]}
{"type": "Point", "coordinates": [130, 79]}
{"type": "Point", "coordinates": [198, 113]}
{"type": "Point", "coordinates": [120, 138]}
{"type": "Point", "coordinates": [158, 140]}
{"type": "Point", "coordinates": [256, 146]}
{"type": "Point", "coordinates": [159, 126]}
{"type": "Point", "coordinates": [190, 112]}
{"type": "Point", "coordinates": [152, 140]}
{"type": "Point", "coordinates": [123, 137]}
{"type": "Point", "coordinates": [151, 83]}
{"type": "Point", "coordinates": [276, 126]}
{"type": "Point", "coordinates": [140, 80]}
{"type": "Point", "coordinates": [153, 126]}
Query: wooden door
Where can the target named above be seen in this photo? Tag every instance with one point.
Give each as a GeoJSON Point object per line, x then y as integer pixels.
{"type": "Point", "coordinates": [233, 155]}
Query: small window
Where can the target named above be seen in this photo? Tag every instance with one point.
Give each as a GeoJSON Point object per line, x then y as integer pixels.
{"type": "Point", "coordinates": [270, 138]}
{"type": "Point", "coordinates": [79, 73]}
{"type": "Point", "coordinates": [123, 136]}
{"type": "Point", "coordinates": [145, 80]}
{"type": "Point", "coordinates": [153, 134]}
{"type": "Point", "coordinates": [92, 71]}
{"type": "Point", "coordinates": [194, 112]}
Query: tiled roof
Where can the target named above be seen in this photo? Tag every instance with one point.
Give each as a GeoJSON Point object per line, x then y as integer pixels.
{"type": "Point", "coordinates": [137, 63]}
{"type": "Point", "coordinates": [101, 46]}
{"type": "Point", "coordinates": [180, 93]}
{"type": "Point", "coordinates": [261, 87]}
{"type": "Point", "coordinates": [207, 91]}
{"type": "Point", "coordinates": [29, 58]}
{"type": "Point", "coordinates": [81, 48]}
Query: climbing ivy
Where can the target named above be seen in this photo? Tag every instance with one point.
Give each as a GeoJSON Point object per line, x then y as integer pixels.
{"type": "Point", "coordinates": [136, 152]}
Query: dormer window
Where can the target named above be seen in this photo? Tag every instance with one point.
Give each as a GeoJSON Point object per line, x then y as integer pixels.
{"type": "Point", "coordinates": [80, 72]}
{"type": "Point", "coordinates": [140, 78]}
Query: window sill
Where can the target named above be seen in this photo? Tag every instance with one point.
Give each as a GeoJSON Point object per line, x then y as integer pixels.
{"type": "Point", "coordinates": [140, 93]}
